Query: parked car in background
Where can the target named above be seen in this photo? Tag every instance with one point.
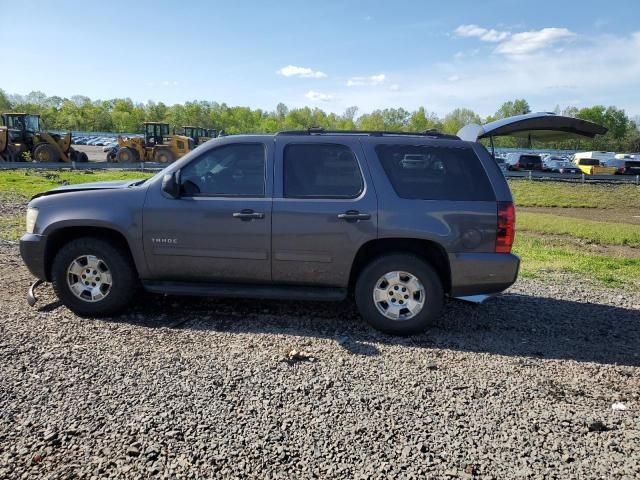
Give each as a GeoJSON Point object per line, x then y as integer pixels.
{"type": "Point", "coordinates": [524, 161]}
{"type": "Point", "coordinates": [560, 165]}
{"type": "Point", "coordinates": [627, 166]}
{"type": "Point", "coordinates": [593, 166]}
{"type": "Point", "coordinates": [603, 157]}
{"type": "Point", "coordinates": [502, 163]}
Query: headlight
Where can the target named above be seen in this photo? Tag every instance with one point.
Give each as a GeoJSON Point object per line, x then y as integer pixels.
{"type": "Point", "coordinates": [32, 216]}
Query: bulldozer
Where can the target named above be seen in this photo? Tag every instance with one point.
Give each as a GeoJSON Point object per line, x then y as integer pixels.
{"type": "Point", "coordinates": [156, 146]}
{"type": "Point", "coordinates": [22, 136]}
{"type": "Point", "coordinates": [199, 134]}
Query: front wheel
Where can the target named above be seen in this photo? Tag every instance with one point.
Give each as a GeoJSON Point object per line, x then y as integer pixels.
{"type": "Point", "coordinates": [163, 155]}
{"type": "Point", "coordinates": [399, 294]}
{"type": "Point", "coordinates": [93, 278]}
{"type": "Point", "coordinates": [46, 152]}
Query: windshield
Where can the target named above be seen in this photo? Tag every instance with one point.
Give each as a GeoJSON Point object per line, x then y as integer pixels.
{"type": "Point", "coordinates": [589, 161]}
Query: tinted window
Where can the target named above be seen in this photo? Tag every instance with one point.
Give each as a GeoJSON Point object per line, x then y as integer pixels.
{"type": "Point", "coordinates": [589, 161]}
{"type": "Point", "coordinates": [321, 170]}
{"type": "Point", "coordinates": [435, 173]}
{"type": "Point", "coordinates": [530, 159]}
{"type": "Point", "coordinates": [232, 170]}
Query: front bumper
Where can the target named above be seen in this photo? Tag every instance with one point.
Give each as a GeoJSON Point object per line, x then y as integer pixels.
{"type": "Point", "coordinates": [482, 273]}
{"type": "Point", "coordinates": [32, 251]}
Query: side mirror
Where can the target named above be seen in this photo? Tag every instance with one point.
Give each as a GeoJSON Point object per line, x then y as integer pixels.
{"type": "Point", "coordinates": [171, 184]}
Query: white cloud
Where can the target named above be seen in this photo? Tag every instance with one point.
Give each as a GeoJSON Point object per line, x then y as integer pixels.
{"type": "Point", "coordinates": [168, 83]}
{"type": "Point", "coordinates": [530, 42]}
{"type": "Point", "coordinates": [373, 80]}
{"type": "Point", "coordinates": [545, 78]}
{"type": "Point", "coordinates": [318, 96]}
{"type": "Point", "coordinates": [304, 72]}
{"type": "Point", "coordinates": [484, 34]}
{"type": "Point", "coordinates": [394, 87]}
{"type": "Point", "coordinates": [453, 78]}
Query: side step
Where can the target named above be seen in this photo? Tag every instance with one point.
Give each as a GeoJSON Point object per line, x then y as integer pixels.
{"type": "Point", "coordinates": [238, 290]}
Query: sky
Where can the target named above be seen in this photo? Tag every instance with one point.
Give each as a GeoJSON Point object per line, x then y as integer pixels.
{"type": "Point", "coordinates": [329, 54]}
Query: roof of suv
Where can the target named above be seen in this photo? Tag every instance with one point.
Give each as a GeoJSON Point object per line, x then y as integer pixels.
{"type": "Point", "coordinates": [371, 133]}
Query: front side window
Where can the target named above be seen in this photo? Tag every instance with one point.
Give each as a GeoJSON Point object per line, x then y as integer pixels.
{"type": "Point", "coordinates": [321, 170]}
{"type": "Point", "coordinates": [435, 173]}
{"type": "Point", "coordinates": [230, 170]}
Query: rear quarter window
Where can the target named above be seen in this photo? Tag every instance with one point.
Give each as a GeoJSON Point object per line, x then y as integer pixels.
{"type": "Point", "coordinates": [435, 173]}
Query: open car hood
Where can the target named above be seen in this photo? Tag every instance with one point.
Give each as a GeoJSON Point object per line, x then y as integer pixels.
{"type": "Point", "coordinates": [542, 126]}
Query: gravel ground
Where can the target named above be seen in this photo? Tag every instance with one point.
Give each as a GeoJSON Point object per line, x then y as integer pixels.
{"type": "Point", "coordinates": [522, 386]}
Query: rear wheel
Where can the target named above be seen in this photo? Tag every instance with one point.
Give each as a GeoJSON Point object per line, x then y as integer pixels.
{"type": "Point", "coordinates": [46, 152]}
{"type": "Point", "coordinates": [163, 155]}
{"type": "Point", "coordinates": [399, 294]}
{"type": "Point", "coordinates": [82, 157]}
{"type": "Point", "coordinates": [125, 155]}
{"type": "Point", "coordinates": [93, 278]}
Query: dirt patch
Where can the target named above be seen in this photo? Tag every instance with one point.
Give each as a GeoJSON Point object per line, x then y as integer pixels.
{"type": "Point", "coordinates": [631, 216]}
{"type": "Point", "coordinates": [619, 251]}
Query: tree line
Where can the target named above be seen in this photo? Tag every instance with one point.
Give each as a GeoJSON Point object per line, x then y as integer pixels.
{"type": "Point", "coordinates": [80, 113]}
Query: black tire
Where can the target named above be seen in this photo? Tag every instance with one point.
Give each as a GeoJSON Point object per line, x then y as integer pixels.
{"type": "Point", "coordinates": [163, 155]}
{"type": "Point", "coordinates": [126, 155]}
{"type": "Point", "coordinates": [432, 286]}
{"type": "Point", "coordinates": [123, 276]}
{"type": "Point", "coordinates": [46, 152]}
{"type": "Point", "coordinates": [111, 157]}
{"type": "Point", "coordinates": [82, 157]}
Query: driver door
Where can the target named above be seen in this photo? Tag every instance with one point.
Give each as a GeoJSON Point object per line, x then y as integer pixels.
{"type": "Point", "coordinates": [219, 230]}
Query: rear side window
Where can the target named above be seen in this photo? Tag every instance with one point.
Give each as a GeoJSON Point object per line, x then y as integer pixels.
{"type": "Point", "coordinates": [530, 158]}
{"type": "Point", "coordinates": [321, 170]}
{"type": "Point", "coordinates": [435, 173]}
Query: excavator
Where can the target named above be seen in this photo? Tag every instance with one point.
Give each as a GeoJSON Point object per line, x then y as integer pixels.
{"type": "Point", "coordinates": [156, 145]}
{"type": "Point", "coordinates": [22, 138]}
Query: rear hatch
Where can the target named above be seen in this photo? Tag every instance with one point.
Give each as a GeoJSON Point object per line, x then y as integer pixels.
{"type": "Point", "coordinates": [542, 126]}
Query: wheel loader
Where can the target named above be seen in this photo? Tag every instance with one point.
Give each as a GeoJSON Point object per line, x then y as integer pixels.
{"type": "Point", "coordinates": [22, 134]}
{"type": "Point", "coordinates": [156, 146]}
{"type": "Point", "coordinates": [199, 135]}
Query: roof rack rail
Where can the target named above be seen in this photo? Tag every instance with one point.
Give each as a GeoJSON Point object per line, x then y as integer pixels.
{"type": "Point", "coordinates": [372, 133]}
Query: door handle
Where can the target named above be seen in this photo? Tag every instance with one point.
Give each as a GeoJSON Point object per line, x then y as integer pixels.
{"type": "Point", "coordinates": [248, 214]}
{"type": "Point", "coordinates": [354, 215]}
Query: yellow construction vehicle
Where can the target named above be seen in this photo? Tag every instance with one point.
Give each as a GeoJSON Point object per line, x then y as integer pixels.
{"type": "Point", "coordinates": [156, 146]}
{"type": "Point", "coordinates": [6, 154]}
{"type": "Point", "coordinates": [24, 138]}
{"type": "Point", "coordinates": [199, 134]}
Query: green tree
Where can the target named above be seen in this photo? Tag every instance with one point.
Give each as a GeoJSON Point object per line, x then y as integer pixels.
{"type": "Point", "coordinates": [5, 104]}
{"type": "Point", "coordinates": [458, 118]}
{"type": "Point", "coordinates": [421, 120]}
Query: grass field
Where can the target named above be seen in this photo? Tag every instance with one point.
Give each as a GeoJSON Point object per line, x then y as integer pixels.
{"type": "Point", "coordinates": [555, 239]}
{"type": "Point", "coordinates": [601, 244]}
{"type": "Point", "coordinates": [26, 183]}
{"type": "Point", "coordinates": [577, 195]}
{"type": "Point", "coordinates": [602, 233]}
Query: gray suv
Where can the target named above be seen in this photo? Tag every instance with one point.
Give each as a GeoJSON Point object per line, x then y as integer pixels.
{"type": "Point", "coordinates": [400, 221]}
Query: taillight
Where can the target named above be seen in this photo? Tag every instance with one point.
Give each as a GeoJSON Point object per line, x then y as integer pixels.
{"type": "Point", "coordinates": [506, 229]}
{"type": "Point", "coordinates": [517, 165]}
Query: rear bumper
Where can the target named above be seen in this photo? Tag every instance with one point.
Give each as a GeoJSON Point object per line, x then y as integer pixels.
{"type": "Point", "coordinates": [482, 273]}
{"type": "Point", "coordinates": [32, 251]}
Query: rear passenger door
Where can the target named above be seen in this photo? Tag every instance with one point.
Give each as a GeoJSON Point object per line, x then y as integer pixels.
{"type": "Point", "coordinates": [324, 209]}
